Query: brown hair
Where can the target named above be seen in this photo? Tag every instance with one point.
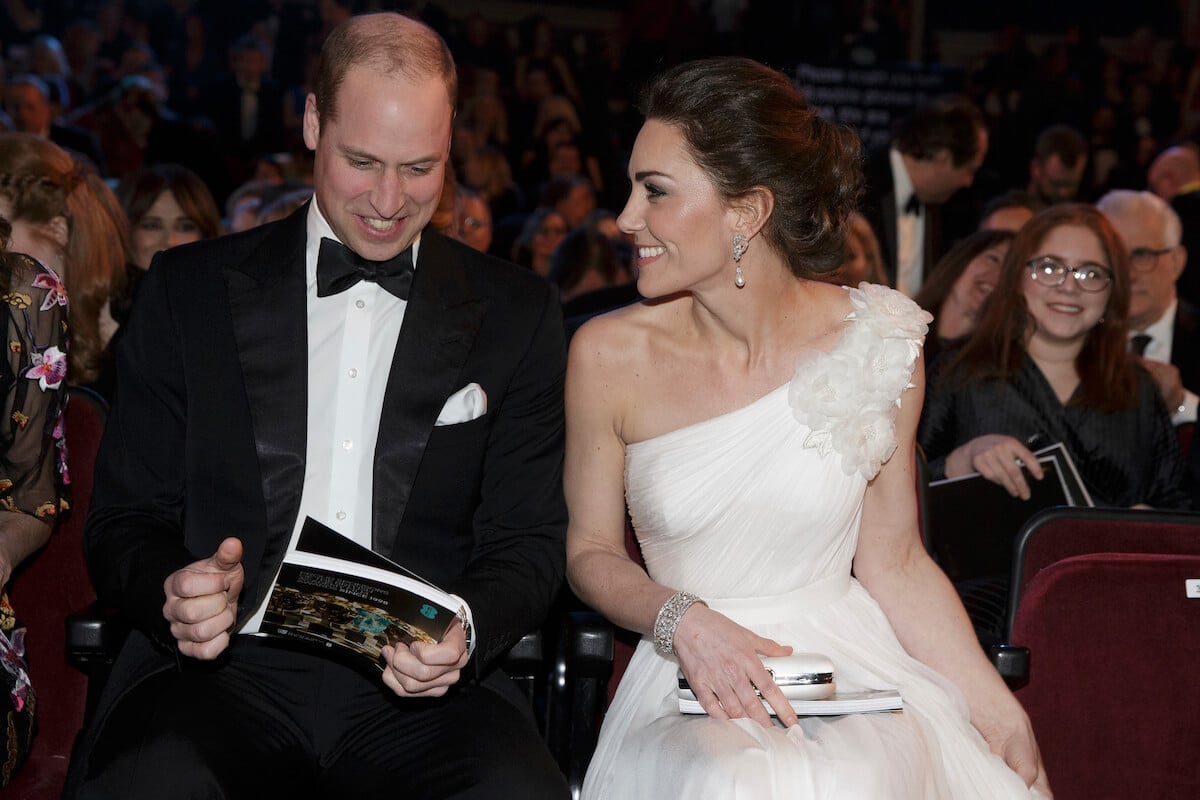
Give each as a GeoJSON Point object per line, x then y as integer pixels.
{"type": "Point", "coordinates": [498, 171]}
{"type": "Point", "coordinates": [996, 349]}
{"type": "Point", "coordinates": [748, 127]}
{"type": "Point", "coordinates": [945, 123]}
{"type": "Point", "coordinates": [42, 182]}
{"type": "Point", "coordinates": [137, 192]}
{"type": "Point", "coordinates": [390, 42]}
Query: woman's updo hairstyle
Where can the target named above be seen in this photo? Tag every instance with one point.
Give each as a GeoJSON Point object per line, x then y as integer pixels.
{"type": "Point", "coordinates": [747, 126]}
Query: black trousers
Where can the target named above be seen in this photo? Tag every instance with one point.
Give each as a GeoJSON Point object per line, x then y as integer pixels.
{"type": "Point", "coordinates": [270, 722]}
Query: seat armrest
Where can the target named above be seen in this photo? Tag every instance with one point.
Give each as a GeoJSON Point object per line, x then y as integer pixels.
{"type": "Point", "coordinates": [93, 638]}
{"type": "Point", "coordinates": [591, 665]}
{"type": "Point", "coordinates": [1012, 662]}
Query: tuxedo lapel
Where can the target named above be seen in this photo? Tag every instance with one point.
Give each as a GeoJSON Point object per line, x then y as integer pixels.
{"type": "Point", "coordinates": [1185, 345]}
{"type": "Point", "coordinates": [268, 306]}
{"type": "Point", "coordinates": [933, 240]}
{"type": "Point", "coordinates": [441, 322]}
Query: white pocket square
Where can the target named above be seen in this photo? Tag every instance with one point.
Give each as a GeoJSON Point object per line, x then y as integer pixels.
{"type": "Point", "coordinates": [468, 403]}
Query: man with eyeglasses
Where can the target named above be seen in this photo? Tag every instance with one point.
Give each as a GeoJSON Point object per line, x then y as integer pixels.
{"type": "Point", "coordinates": [1164, 330]}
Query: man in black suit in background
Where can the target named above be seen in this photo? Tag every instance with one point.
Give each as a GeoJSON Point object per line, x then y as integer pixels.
{"type": "Point", "coordinates": [935, 152]}
{"type": "Point", "coordinates": [32, 112]}
{"type": "Point", "coordinates": [1164, 329]}
{"type": "Point", "coordinates": [304, 369]}
{"type": "Point", "coordinates": [246, 110]}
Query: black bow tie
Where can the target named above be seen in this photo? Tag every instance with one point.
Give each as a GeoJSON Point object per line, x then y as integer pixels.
{"type": "Point", "coordinates": [339, 268]}
{"type": "Point", "coordinates": [913, 206]}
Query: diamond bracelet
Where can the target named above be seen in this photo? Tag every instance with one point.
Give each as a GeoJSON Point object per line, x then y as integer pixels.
{"type": "Point", "coordinates": [668, 620]}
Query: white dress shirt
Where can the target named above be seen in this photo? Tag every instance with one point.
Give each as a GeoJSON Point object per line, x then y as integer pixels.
{"type": "Point", "coordinates": [351, 340]}
{"type": "Point", "coordinates": [910, 230]}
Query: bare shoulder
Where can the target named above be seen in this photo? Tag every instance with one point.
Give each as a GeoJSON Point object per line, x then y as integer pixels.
{"type": "Point", "coordinates": [831, 300]}
{"type": "Point", "coordinates": [620, 342]}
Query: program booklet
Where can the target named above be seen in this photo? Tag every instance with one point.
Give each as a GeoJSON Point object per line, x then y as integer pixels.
{"type": "Point", "coordinates": [336, 595]}
{"type": "Point", "coordinates": [863, 702]}
{"type": "Point", "coordinates": [974, 521]}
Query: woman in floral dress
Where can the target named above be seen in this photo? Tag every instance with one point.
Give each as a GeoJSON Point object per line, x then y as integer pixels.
{"type": "Point", "coordinates": [33, 467]}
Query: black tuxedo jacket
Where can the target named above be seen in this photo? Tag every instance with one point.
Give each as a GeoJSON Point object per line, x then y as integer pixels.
{"type": "Point", "coordinates": [223, 104]}
{"type": "Point", "coordinates": [207, 436]}
{"type": "Point", "coordinates": [81, 141]}
{"type": "Point", "coordinates": [1187, 206]}
{"type": "Point", "coordinates": [878, 205]}
{"type": "Point", "coordinates": [1185, 345]}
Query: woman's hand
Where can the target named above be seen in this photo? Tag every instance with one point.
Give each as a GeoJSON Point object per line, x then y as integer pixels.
{"type": "Point", "coordinates": [720, 660]}
{"type": "Point", "coordinates": [998, 458]}
{"type": "Point", "coordinates": [1014, 743]}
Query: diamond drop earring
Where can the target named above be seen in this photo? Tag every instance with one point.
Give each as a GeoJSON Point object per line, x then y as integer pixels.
{"type": "Point", "coordinates": [739, 247]}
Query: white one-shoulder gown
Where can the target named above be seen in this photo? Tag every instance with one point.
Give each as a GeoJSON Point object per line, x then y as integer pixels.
{"type": "Point", "coordinates": [757, 511]}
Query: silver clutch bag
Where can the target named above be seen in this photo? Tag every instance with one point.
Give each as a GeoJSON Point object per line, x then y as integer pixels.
{"type": "Point", "coordinates": [800, 676]}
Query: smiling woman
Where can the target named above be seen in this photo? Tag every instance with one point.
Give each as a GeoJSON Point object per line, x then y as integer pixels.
{"type": "Point", "coordinates": [1048, 362]}
{"type": "Point", "coordinates": [758, 424]}
{"type": "Point", "coordinates": [167, 205]}
{"type": "Point", "coordinates": [958, 286]}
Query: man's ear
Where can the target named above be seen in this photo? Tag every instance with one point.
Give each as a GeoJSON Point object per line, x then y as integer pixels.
{"type": "Point", "coordinates": [752, 210]}
{"type": "Point", "coordinates": [312, 122]}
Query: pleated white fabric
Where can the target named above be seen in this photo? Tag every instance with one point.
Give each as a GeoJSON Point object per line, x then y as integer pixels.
{"type": "Point", "coordinates": [758, 513]}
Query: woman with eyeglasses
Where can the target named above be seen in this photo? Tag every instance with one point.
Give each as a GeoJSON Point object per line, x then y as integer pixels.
{"type": "Point", "coordinates": [1048, 363]}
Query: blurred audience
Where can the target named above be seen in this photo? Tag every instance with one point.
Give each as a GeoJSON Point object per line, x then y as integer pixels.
{"type": "Point", "coordinates": [1009, 211]}
{"type": "Point", "coordinates": [863, 261]}
{"type": "Point", "coordinates": [246, 109]}
{"type": "Point", "coordinates": [31, 112]}
{"type": "Point", "coordinates": [584, 261]}
{"type": "Point", "coordinates": [572, 197]}
{"type": "Point", "coordinates": [1174, 175]}
{"type": "Point", "coordinates": [1060, 156]}
{"type": "Point", "coordinates": [283, 205]}
{"type": "Point", "coordinates": [541, 233]}
{"type": "Point", "coordinates": [474, 221]}
{"type": "Point", "coordinates": [487, 171]}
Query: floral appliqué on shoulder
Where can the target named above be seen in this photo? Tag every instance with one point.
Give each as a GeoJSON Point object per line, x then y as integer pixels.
{"type": "Point", "coordinates": [849, 396]}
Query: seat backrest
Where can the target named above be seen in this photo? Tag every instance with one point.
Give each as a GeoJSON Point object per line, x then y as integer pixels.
{"type": "Point", "coordinates": [53, 584]}
{"type": "Point", "coordinates": [1186, 432]}
{"type": "Point", "coordinates": [1114, 640]}
{"type": "Point", "coordinates": [1058, 533]}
